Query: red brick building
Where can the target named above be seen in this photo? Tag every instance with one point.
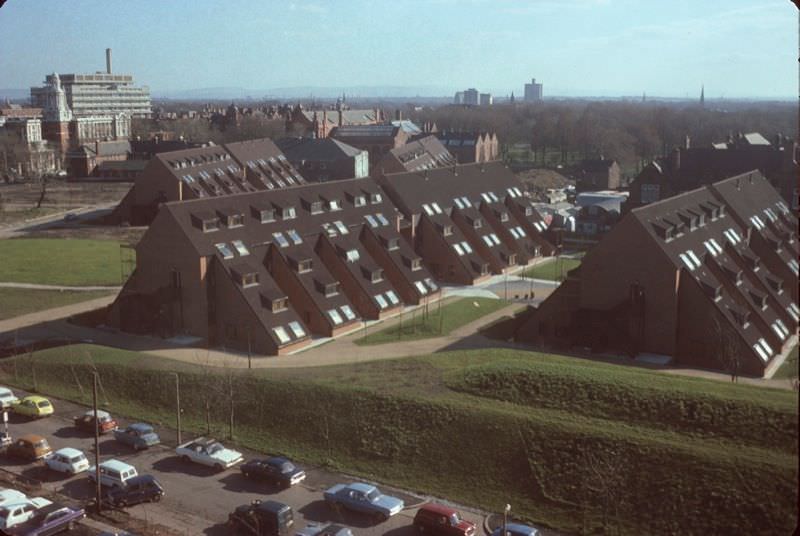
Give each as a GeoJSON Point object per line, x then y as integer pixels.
{"type": "Point", "coordinates": [320, 123]}
{"type": "Point", "coordinates": [467, 222]}
{"type": "Point", "coordinates": [210, 171]}
{"type": "Point", "coordinates": [468, 147]}
{"type": "Point", "coordinates": [708, 277]}
{"type": "Point", "coordinates": [425, 152]}
{"type": "Point", "coordinates": [597, 174]}
{"type": "Point", "coordinates": [265, 271]}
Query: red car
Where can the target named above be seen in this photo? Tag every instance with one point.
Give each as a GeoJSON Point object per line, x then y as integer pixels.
{"type": "Point", "coordinates": [438, 519]}
{"type": "Point", "coordinates": [105, 422]}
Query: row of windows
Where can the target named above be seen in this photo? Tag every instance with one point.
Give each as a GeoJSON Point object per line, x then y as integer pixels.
{"type": "Point", "coordinates": [283, 336]}
{"type": "Point", "coordinates": [337, 319]}
{"type": "Point", "coordinates": [226, 251]}
{"type": "Point", "coordinates": [386, 298]}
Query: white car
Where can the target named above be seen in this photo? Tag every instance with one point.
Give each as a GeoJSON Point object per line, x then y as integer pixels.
{"type": "Point", "coordinates": [19, 512]}
{"type": "Point", "coordinates": [68, 460]}
{"type": "Point", "coordinates": [10, 496]}
{"type": "Point", "coordinates": [7, 398]}
{"type": "Point", "coordinates": [208, 452]}
{"type": "Point", "coordinates": [113, 473]}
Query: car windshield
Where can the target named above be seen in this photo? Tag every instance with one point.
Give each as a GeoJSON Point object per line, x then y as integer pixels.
{"type": "Point", "coordinates": [41, 444]}
{"type": "Point", "coordinates": [287, 467]}
{"type": "Point", "coordinates": [43, 404]}
{"type": "Point", "coordinates": [142, 430]}
{"type": "Point", "coordinates": [214, 448]}
{"type": "Point", "coordinates": [455, 519]}
{"type": "Point", "coordinates": [373, 495]}
{"type": "Point", "coordinates": [78, 458]}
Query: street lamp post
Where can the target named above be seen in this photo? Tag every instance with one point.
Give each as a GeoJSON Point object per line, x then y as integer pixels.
{"type": "Point", "coordinates": [178, 405]}
{"type": "Point", "coordinates": [98, 491]}
{"type": "Point", "coordinates": [506, 510]}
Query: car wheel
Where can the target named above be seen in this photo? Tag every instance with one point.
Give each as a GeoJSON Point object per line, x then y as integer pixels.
{"type": "Point", "coordinates": [380, 517]}
{"type": "Point", "coordinates": [219, 467]}
{"type": "Point", "coordinates": [157, 497]}
{"type": "Point", "coordinates": [185, 459]}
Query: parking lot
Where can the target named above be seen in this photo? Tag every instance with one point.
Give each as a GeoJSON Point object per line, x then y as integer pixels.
{"type": "Point", "coordinates": [198, 498]}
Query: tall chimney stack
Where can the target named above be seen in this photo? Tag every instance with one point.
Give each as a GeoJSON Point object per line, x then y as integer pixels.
{"type": "Point", "coordinates": [108, 60]}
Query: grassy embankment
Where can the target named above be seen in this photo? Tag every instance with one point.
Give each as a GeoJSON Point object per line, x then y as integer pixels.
{"type": "Point", "coordinates": [44, 261]}
{"type": "Point", "coordinates": [437, 322]}
{"type": "Point", "coordinates": [570, 443]}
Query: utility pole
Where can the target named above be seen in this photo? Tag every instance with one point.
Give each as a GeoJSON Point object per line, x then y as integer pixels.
{"type": "Point", "coordinates": [249, 350]}
{"type": "Point", "coordinates": [178, 405]}
{"type": "Point", "coordinates": [98, 491]}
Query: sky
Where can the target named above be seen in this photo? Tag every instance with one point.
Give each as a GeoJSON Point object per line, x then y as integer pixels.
{"type": "Point", "coordinates": [669, 48]}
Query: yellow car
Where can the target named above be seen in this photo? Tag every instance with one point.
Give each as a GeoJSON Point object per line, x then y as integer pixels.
{"type": "Point", "coordinates": [33, 406]}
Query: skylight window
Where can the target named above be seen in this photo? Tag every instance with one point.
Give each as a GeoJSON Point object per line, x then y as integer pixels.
{"type": "Point", "coordinates": [687, 261]}
{"type": "Point", "coordinates": [511, 192]}
{"type": "Point", "coordinates": [494, 197]}
{"type": "Point", "coordinates": [353, 255]}
{"type": "Point", "coordinates": [347, 312]}
{"type": "Point", "coordinates": [494, 239]}
{"type": "Point", "coordinates": [335, 317]}
{"type": "Point", "coordinates": [294, 236]}
{"type": "Point", "coordinates": [466, 247]}
{"type": "Point", "coordinates": [780, 329]}
{"type": "Point", "coordinates": [341, 227]}
{"type": "Point", "coordinates": [466, 202]}
{"type": "Point", "coordinates": [421, 287]}
{"type": "Point", "coordinates": [694, 258]}
{"type": "Point", "coordinates": [359, 201]}
{"type": "Point", "coordinates": [486, 197]}
{"type": "Point", "coordinates": [458, 202]}
{"type": "Point", "coordinates": [375, 198]}
{"type": "Point", "coordinates": [487, 240]}
{"type": "Point", "coordinates": [520, 231]}
{"type": "Point", "coordinates": [793, 266]}
{"type": "Point", "coordinates": [428, 210]}
{"type": "Point", "coordinates": [760, 351]}
{"type": "Point", "coordinates": [794, 312]}
{"type": "Point", "coordinates": [382, 219]}
{"type": "Point", "coordinates": [297, 329]}
{"type": "Point", "coordinates": [280, 239]}
{"type": "Point", "coordinates": [372, 221]}
{"type": "Point", "coordinates": [713, 247]}
{"type": "Point", "coordinates": [436, 208]}
{"type": "Point", "coordinates": [224, 250]}
{"type": "Point", "coordinates": [241, 249]}
{"type": "Point", "coordinates": [732, 236]}
{"type": "Point", "coordinates": [513, 232]}
{"type": "Point", "coordinates": [770, 214]}
{"type": "Point", "coordinates": [287, 213]}
{"type": "Point", "coordinates": [392, 297]}
{"type": "Point", "coordinates": [757, 223]}
{"type": "Point", "coordinates": [458, 249]}
{"type": "Point", "coordinates": [431, 284]}
{"type": "Point", "coordinates": [381, 301]}
{"type": "Point", "coordinates": [280, 332]}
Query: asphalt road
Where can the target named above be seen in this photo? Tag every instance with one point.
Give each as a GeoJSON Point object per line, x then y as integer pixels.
{"type": "Point", "coordinates": [198, 499]}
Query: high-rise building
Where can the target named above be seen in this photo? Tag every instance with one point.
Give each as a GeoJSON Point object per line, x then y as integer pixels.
{"type": "Point", "coordinates": [97, 94]}
{"type": "Point", "coordinates": [471, 97]}
{"type": "Point", "coordinates": [533, 91]}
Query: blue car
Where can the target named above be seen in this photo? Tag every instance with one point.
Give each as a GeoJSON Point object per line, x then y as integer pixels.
{"type": "Point", "coordinates": [139, 436]}
{"type": "Point", "coordinates": [364, 498]}
{"type": "Point", "coordinates": [50, 519]}
{"type": "Point", "coordinates": [332, 529]}
{"type": "Point", "coordinates": [515, 529]}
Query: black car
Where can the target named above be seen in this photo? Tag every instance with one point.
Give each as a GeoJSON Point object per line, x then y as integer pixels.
{"type": "Point", "coordinates": [139, 489]}
{"type": "Point", "coordinates": [261, 518]}
{"type": "Point", "coordinates": [276, 469]}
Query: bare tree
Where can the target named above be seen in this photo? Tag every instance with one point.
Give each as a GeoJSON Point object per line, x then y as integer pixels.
{"type": "Point", "coordinates": [605, 473]}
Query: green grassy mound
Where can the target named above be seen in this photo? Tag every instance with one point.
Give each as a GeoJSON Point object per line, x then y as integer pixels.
{"type": "Point", "coordinates": [571, 470]}
{"type": "Point", "coordinates": [752, 416]}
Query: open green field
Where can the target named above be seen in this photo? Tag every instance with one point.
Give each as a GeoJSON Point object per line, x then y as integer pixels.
{"type": "Point", "coordinates": [573, 444]}
{"type": "Point", "coordinates": [44, 261]}
{"type": "Point", "coordinates": [437, 322]}
{"type": "Point", "coordinates": [554, 270]}
{"type": "Point", "coordinates": [20, 301]}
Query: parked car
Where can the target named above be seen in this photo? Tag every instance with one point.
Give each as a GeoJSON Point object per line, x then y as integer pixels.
{"type": "Point", "coordinates": [515, 529]}
{"type": "Point", "coordinates": [13, 514]}
{"type": "Point", "coordinates": [267, 518]}
{"type": "Point", "coordinates": [113, 473]}
{"type": "Point", "coordinates": [139, 489]}
{"type": "Point", "coordinates": [208, 452]}
{"type": "Point", "coordinates": [331, 529]}
{"type": "Point", "coordinates": [275, 469]}
{"type": "Point", "coordinates": [33, 406]}
{"type": "Point", "coordinates": [438, 519]}
{"type": "Point", "coordinates": [138, 435]}
{"type": "Point", "coordinates": [364, 498]}
{"type": "Point", "coordinates": [68, 460]}
{"type": "Point", "coordinates": [50, 519]}
{"type": "Point", "coordinates": [30, 447]}
{"type": "Point", "coordinates": [7, 398]}
{"type": "Point", "coordinates": [105, 422]}
{"type": "Point", "coordinates": [11, 496]}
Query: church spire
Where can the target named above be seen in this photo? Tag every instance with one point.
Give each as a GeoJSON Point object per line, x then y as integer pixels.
{"type": "Point", "coordinates": [702, 95]}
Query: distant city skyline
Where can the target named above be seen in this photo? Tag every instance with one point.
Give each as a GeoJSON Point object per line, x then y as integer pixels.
{"type": "Point", "coordinates": [735, 48]}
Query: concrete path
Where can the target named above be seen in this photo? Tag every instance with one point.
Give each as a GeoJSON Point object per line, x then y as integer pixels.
{"type": "Point", "coordinates": [43, 222]}
{"type": "Point", "coordinates": [46, 317]}
{"type": "Point", "coordinates": [35, 286]}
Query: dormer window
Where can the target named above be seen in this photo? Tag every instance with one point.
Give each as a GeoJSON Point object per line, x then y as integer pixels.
{"type": "Point", "coordinates": [376, 275]}
{"type": "Point", "coordinates": [247, 279]}
{"type": "Point", "coordinates": [529, 211]}
{"type": "Point", "coordinates": [503, 216]}
{"type": "Point", "coordinates": [359, 201]}
{"type": "Point", "coordinates": [416, 264]}
{"type": "Point", "coordinates": [294, 236]}
{"type": "Point", "coordinates": [477, 223]}
{"type": "Point", "coordinates": [210, 225]}
{"type": "Point", "coordinates": [334, 205]}
{"type": "Point", "coordinates": [331, 289]}
{"type": "Point", "coordinates": [264, 215]}
{"type": "Point", "coordinates": [288, 213]}
{"type": "Point", "coordinates": [390, 243]}
{"type": "Point", "coordinates": [276, 305]}
{"type": "Point", "coordinates": [759, 298]}
{"type": "Point", "coordinates": [240, 248]}
{"type": "Point", "coordinates": [447, 230]}
{"type": "Point", "coordinates": [224, 250]}
{"type": "Point", "coordinates": [375, 198]}
{"type": "Point", "coordinates": [775, 283]}
{"type": "Point", "coordinates": [352, 255]}
{"type": "Point", "coordinates": [304, 266]}
{"type": "Point", "coordinates": [315, 207]}
{"type": "Point", "coordinates": [235, 220]}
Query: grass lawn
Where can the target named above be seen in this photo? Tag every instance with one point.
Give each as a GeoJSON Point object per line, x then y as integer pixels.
{"type": "Point", "coordinates": [554, 270]}
{"type": "Point", "coordinates": [20, 301]}
{"type": "Point", "coordinates": [44, 261]}
{"type": "Point", "coordinates": [437, 323]}
{"type": "Point", "coordinates": [790, 367]}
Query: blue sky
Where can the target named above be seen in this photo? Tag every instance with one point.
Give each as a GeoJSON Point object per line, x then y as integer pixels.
{"type": "Point", "coordinates": [737, 48]}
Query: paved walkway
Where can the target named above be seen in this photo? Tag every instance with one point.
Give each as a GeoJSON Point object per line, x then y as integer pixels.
{"type": "Point", "coordinates": [46, 317]}
{"type": "Point", "coordinates": [36, 286]}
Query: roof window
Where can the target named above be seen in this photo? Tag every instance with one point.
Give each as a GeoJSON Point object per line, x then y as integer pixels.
{"type": "Point", "coordinates": [240, 248]}
{"type": "Point", "coordinates": [224, 250]}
